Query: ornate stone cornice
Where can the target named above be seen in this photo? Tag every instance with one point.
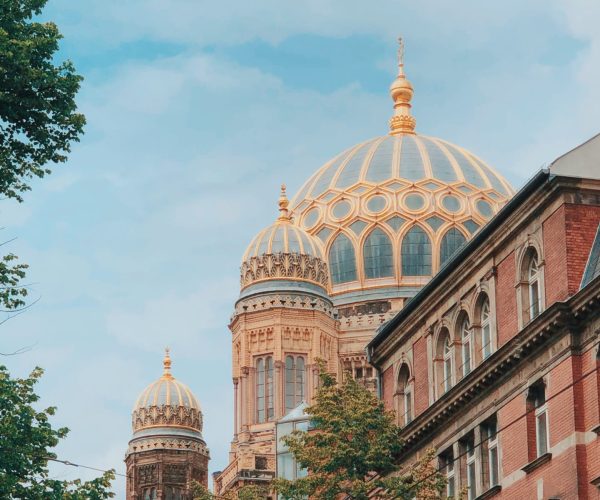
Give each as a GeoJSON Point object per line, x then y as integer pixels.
{"type": "Point", "coordinates": [167, 443]}
{"type": "Point", "coordinates": [292, 266]}
{"type": "Point", "coordinates": [291, 301]}
{"type": "Point", "coordinates": [166, 415]}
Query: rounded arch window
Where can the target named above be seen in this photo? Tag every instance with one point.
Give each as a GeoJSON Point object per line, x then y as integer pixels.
{"type": "Point", "coordinates": [294, 381]}
{"type": "Point", "coordinates": [416, 253]}
{"type": "Point", "coordinates": [378, 255]}
{"type": "Point", "coordinates": [342, 260]}
{"type": "Point", "coordinates": [405, 410]}
{"type": "Point", "coordinates": [486, 328]}
{"type": "Point", "coordinates": [467, 344]}
{"type": "Point", "coordinates": [451, 242]}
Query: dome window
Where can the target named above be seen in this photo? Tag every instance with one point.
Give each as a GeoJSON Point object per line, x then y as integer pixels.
{"type": "Point", "coordinates": [378, 255]}
{"type": "Point", "coordinates": [414, 202]}
{"type": "Point", "coordinates": [341, 209]}
{"type": "Point", "coordinates": [484, 208]}
{"type": "Point", "coordinates": [451, 203]}
{"type": "Point", "coordinates": [416, 253]}
{"type": "Point", "coordinates": [311, 218]}
{"type": "Point", "coordinates": [451, 242]}
{"type": "Point", "coordinates": [342, 260]}
{"type": "Point", "coordinates": [376, 204]}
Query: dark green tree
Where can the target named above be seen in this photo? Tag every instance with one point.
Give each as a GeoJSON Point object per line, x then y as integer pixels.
{"type": "Point", "coordinates": [26, 440]}
{"type": "Point", "coordinates": [38, 114]}
{"type": "Point", "coordinates": [353, 450]}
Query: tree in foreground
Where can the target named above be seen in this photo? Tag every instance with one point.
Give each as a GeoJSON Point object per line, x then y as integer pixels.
{"type": "Point", "coordinates": [26, 440]}
{"type": "Point", "coordinates": [249, 492]}
{"type": "Point", "coordinates": [353, 450]}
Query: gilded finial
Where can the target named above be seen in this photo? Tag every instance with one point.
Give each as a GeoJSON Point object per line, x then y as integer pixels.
{"type": "Point", "coordinates": [283, 205]}
{"type": "Point", "coordinates": [402, 122]}
{"type": "Point", "coordinates": [167, 364]}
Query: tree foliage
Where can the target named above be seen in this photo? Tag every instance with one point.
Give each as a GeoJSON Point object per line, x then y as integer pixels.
{"type": "Point", "coordinates": [38, 114]}
{"type": "Point", "coordinates": [248, 492]}
{"type": "Point", "coordinates": [353, 450]}
{"type": "Point", "coordinates": [26, 440]}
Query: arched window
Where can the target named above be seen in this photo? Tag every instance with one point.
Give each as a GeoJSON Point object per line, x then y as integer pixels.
{"type": "Point", "coordinates": [342, 261]}
{"type": "Point", "coordinates": [378, 255]}
{"type": "Point", "coordinates": [264, 390]}
{"type": "Point", "coordinates": [534, 288]}
{"type": "Point", "coordinates": [294, 381]}
{"type": "Point", "coordinates": [537, 421]}
{"type": "Point", "coordinates": [467, 345]}
{"type": "Point", "coordinates": [530, 287]}
{"type": "Point", "coordinates": [451, 242]}
{"type": "Point", "coordinates": [486, 329]}
{"type": "Point", "coordinates": [416, 253]}
{"type": "Point", "coordinates": [405, 407]}
{"type": "Point", "coordinates": [444, 362]}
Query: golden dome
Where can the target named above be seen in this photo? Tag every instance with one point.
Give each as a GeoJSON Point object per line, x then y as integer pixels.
{"type": "Point", "coordinates": [283, 252]}
{"type": "Point", "coordinates": [167, 403]}
{"type": "Point", "coordinates": [387, 210]}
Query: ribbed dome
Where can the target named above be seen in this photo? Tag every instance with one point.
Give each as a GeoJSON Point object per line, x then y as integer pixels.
{"type": "Point", "coordinates": [391, 211]}
{"type": "Point", "coordinates": [283, 237]}
{"type": "Point", "coordinates": [283, 252]}
{"type": "Point", "coordinates": [167, 403]}
{"type": "Point", "coordinates": [408, 158]}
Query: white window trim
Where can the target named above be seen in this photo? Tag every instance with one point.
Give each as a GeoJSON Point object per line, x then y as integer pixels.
{"type": "Point", "coordinates": [471, 461]}
{"type": "Point", "coordinates": [538, 411]}
{"type": "Point", "coordinates": [486, 323]}
{"type": "Point", "coordinates": [467, 341]}
{"type": "Point", "coordinates": [448, 381]}
{"type": "Point", "coordinates": [493, 444]}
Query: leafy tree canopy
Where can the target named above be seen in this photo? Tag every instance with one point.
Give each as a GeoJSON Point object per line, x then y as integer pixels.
{"type": "Point", "coordinates": [353, 449]}
{"type": "Point", "coordinates": [248, 492]}
{"type": "Point", "coordinates": [38, 114]}
{"type": "Point", "coordinates": [26, 440]}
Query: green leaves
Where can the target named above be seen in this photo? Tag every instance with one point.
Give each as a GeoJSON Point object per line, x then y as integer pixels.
{"type": "Point", "coordinates": [26, 437]}
{"type": "Point", "coordinates": [38, 114]}
{"type": "Point", "coordinates": [353, 449]}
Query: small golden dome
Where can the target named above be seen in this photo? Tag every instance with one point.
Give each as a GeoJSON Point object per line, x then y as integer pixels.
{"type": "Point", "coordinates": [283, 252]}
{"type": "Point", "coordinates": [167, 403]}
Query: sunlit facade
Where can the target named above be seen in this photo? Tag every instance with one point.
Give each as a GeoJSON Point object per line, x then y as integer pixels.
{"type": "Point", "coordinates": [361, 237]}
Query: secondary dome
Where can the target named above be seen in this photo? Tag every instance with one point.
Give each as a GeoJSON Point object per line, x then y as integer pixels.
{"type": "Point", "coordinates": [167, 403]}
{"type": "Point", "coordinates": [392, 210]}
{"type": "Point", "coordinates": [283, 252]}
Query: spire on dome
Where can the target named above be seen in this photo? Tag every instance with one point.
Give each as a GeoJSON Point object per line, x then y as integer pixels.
{"type": "Point", "coordinates": [284, 214]}
{"type": "Point", "coordinates": [167, 364]}
{"type": "Point", "coordinates": [401, 90]}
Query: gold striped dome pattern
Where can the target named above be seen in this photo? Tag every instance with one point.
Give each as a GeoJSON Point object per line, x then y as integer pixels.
{"type": "Point", "coordinates": [391, 211]}
{"type": "Point", "coordinates": [283, 252]}
{"type": "Point", "coordinates": [167, 403]}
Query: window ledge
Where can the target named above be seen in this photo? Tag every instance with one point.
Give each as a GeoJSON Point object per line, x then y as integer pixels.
{"type": "Point", "coordinates": [538, 462]}
{"type": "Point", "coordinates": [596, 429]}
{"type": "Point", "coordinates": [489, 493]}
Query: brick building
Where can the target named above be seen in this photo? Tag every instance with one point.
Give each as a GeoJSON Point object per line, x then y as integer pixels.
{"type": "Point", "coordinates": [494, 363]}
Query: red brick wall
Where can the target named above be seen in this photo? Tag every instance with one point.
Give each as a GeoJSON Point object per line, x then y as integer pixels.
{"type": "Point", "coordinates": [555, 257]}
{"type": "Point", "coordinates": [506, 300]}
{"type": "Point", "coordinates": [581, 226]}
{"type": "Point", "coordinates": [421, 375]}
{"type": "Point", "coordinates": [388, 388]}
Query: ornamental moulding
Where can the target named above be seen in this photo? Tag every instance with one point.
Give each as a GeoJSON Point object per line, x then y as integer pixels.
{"type": "Point", "coordinates": [284, 265]}
{"type": "Point", "coordinates": [151, 416]}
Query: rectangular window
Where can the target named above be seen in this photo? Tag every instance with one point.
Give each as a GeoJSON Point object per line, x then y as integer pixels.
{"type": "Point", "coordinates": [534, 299]}
{"type": "Point", "coordinates": [471, 470]}
{"type": "Point", "coordinates": [466, 356]}
{"type": "Point", "coordinates": [490, 450]}
{"type": "Point", "coordinates": [447, 468]}
{"type": "Point", "coordinates": [447, 374]}
{"type": "Point", "coordinates": [486, 340]}
{"type": "Point", "coordinates": [541, 430]}
{"type": "Point", "coordinates": [407, 407]}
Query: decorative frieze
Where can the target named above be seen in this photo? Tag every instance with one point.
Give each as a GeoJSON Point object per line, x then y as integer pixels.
{"type": "Point", "coordinates": [284, 266]}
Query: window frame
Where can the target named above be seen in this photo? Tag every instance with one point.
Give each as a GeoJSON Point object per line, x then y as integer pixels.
{"type": "Point", "coordinates": [297, 382]}
{"type": "Point", "coordinates": [466, 337]}
{"type": "Point", "coordinates": [265, 404]}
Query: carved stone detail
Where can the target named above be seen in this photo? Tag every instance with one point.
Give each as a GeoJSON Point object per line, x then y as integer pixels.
{"type": "Point", "coordinates": [167, 443]}
{"type": "Point", "coordinates": [290, 301]}
{"type": "Point", "coordinates": [166, 415]}
{"type": "Point", "coordinates": [284, 265]}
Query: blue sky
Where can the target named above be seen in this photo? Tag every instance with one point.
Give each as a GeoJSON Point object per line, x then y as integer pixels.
{"type": "Point", "coordinates": [197, 111]}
